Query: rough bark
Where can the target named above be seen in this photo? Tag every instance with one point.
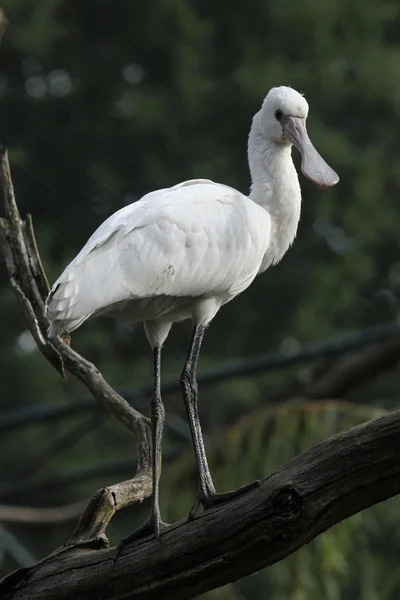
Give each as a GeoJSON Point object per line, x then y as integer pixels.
{"type": "Point", "coordinates": [330, 482]}
{"type": "Point", "coordinates": [333, 480]}
{"type": "Point", "coordinates": [27, 277]}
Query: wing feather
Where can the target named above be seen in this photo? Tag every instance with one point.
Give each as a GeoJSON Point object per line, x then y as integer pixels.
{"type": "Point", "coordinates": [193, 239]}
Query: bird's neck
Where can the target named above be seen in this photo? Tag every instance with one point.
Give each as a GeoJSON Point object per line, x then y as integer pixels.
{"type": "Point", "coordinates": [275, 187]}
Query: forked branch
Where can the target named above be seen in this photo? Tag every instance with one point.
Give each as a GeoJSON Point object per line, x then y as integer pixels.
{"type": "Point", "coordinates": [27, 277]}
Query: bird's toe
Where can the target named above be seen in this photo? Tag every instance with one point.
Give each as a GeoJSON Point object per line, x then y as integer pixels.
{"type": "Point", "coordinates": [213, 499]}
{"type": "Point", "coordinates": [152, 527]}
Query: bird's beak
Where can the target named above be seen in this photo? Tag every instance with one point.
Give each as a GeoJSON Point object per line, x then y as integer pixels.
{"type": "Point", "coordinates": [313, 165]}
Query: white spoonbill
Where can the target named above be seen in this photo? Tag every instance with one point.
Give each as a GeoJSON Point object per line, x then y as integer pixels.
{"type": "Point", "coordinates": [182, 252]}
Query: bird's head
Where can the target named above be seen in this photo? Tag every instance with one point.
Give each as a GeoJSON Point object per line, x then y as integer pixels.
{"type": "Point", "coordinates": [283, 121]}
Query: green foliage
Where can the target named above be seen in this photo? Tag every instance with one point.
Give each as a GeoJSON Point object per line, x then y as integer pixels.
{"type": "Point", "coordinates": [103, 101]}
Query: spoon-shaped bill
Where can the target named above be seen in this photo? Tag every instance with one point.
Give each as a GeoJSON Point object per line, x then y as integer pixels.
{"type": "Point", "coordinates": [313, 165]}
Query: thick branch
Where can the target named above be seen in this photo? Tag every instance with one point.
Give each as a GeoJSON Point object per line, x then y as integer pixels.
{"type": "Point", "coordinates": [333, 480]}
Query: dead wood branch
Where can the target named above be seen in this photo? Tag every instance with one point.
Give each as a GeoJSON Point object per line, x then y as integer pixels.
{"type": "Point", "coordinates": [340, 477]}
{"type": "Point", "coordinates": [319, 488]}
{"type": "Point", "coordinates": [28, 279]}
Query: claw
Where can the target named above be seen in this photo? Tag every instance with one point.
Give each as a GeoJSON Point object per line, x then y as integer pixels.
{"type": "Point", "coordinates": [150, 527]}
{"type": "Point", "coordinates": [195, 507]}
{"type": "Point", "coordinates": [216, 499]}
{"type": "Point", "coordinates": [213, 499]}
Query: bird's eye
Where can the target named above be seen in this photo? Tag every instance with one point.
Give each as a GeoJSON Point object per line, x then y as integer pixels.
{"type": "Point", "coordinates": [278, 114]}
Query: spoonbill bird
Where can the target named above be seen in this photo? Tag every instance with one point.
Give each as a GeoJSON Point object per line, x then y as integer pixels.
{"type": "Point", "coordinates": [182, 252]}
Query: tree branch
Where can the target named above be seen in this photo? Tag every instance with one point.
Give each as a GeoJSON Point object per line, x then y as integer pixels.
{"type": "Point", "coordinates": [379, 349]}
{"type": "Point", "coordinates": [103, 506]}
{"type": "Point", "coordinates": [32, 515]}
{"type": "Point", "coordinates": [319, 488]}
{"type": "Point", "coordinates": [340, 477]}
{"type": "Point", "coordinates": [66, 478]}
{"type": "Point", "coordinates": [27, 277]}
{"type": "Point", "coordinates": [354, 370]}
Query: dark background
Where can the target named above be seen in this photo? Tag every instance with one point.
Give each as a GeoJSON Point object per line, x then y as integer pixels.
{"type": "Point", "coordinates": [101, 102]}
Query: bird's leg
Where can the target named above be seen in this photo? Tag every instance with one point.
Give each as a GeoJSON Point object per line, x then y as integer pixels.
{"type": "Point", "coordinates": [206, 495]}
{"type": "Point", "coordinates": [157, 426]}
{"type": "Point", "coordinates": [154, 523]}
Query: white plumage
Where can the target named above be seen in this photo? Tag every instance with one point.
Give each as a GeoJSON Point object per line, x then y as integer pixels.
{"type": "Point", "coordinates": [185, 251]}
{"type": "Point", "coordinates": [165, 257]}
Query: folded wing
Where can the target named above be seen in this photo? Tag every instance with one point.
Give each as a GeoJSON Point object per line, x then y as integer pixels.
{"type": "Point", "coordinates": [194, 239]}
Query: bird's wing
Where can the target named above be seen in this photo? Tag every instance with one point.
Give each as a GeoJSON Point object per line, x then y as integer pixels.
{"type": "Point", "coordinates": [193, 239]}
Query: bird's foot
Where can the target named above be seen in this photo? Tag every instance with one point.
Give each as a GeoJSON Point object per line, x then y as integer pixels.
{"type": "Point", "coordinates": [153, 526]}
{"type": "Point", "coordinates": [213, 499]}
{"type": "Point", "coordinates": [66, 338]}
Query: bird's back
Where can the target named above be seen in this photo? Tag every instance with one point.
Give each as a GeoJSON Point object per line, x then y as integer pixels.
{"type": "Point", "coordinates": [195, 239]}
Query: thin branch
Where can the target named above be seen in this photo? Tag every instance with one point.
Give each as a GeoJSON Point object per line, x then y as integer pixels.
{"type": "Point", "coordinates": [42, 413]}
{"type": "Point", "coordinates": [355, 370]}
{"type": "Point", "coordinates": [68, 477]}
{"type": "Point", "coordinates": [27, 277]}
{"type": "Point", "coordinates": [10, 543]}
{"type": "Point", "coordinates": [324, 349]}
{"type": "Point", "coordinates": [58, 445]}
{"type": "Point", "coordinates": [336, 381]}
{"type": "Point", "coordinates": [34, 257]}
{"type": "Point", "coordinates": [340, 477]}
{"type": "Point", "coordinates": [3, 23]}
{"type": "Point", "coordinates": [41, 516]}
{"type": "Point", "coordinates": [102, 507]}
{"type": "Point", "coordinates": [215, 447]}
